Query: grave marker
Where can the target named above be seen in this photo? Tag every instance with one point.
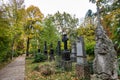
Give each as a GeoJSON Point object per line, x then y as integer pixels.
{"type": "Point", "coordinates": [73, 52]}
{"type": "Point", "coordinates": [51, 53]}
{"type": "Point", "coordinates": [82, 68]}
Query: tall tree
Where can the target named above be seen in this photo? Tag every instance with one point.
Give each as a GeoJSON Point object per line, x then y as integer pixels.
{"type": "Point", "coordinates": [4, 37]}
{"type": "Point", "coordinates": [49, 32]}
{"type": "Point", "coordinates": [14, 13]}
{"type": "Point", "coordinates": [33, 19]}
{"type": "Point", "coordinates": [66, 23]}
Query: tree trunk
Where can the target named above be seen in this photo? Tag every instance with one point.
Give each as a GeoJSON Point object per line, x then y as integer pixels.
{"type": "Point", "coordinates": [27, 50]}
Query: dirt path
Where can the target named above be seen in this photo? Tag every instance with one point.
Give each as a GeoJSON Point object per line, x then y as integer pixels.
{"type": "Point", "coordinates": [15, 70]}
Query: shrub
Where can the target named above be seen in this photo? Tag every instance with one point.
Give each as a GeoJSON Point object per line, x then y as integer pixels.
{"type": "Point", "coordinates": [46, 70]}
{"type": "Point", "coordinates": [90, 48]}
{"type": "Point", "coordinates": [40, 57]}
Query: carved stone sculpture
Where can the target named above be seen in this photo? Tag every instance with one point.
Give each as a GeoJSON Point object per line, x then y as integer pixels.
{"type": "Point", "coordinates": [105, 62]}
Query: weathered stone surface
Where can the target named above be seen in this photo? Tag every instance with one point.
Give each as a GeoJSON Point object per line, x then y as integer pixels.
{"type": "Point", "coordinates": [82, 68]}
{"type": "Point", "coordinates": [81, 54]}
{"type": "Point", "coordinates": [105, 62]}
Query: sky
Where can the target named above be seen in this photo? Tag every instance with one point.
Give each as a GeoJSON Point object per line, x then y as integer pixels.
{"type": "Point", "coordinates": [73, 7]}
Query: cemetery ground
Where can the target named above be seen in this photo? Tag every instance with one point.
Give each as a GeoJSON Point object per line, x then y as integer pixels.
{"type": "Point", "coordinates": [47, 71]}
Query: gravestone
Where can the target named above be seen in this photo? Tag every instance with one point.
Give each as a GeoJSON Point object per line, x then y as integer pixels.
{"type": "Point", "coordinates": [51, 53]}
{"type": "Point", "coordinates": [59, 48]}
{"type": "Point", "coordinates": [66, 52]}
{"type": "Point", "coordinates": [73, 52]}
{"type": "Point", "coordinates": [82, 68]}
{"type": "Point", "coordinates": [66, 62]}
{"type": "Point", "coordinates": [58, 56]}
{"type": "Point", "coordinates": [39, 51]}
{"type": "Point", "coordinates": [105, 63]}
{"type": "Point", "coordinates": [45, 48]}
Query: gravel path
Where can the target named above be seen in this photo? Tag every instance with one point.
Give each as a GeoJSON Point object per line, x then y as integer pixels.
{"type": "Point", "coordinates": [15, 70]}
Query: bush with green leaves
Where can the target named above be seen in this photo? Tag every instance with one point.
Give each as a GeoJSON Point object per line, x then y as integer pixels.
{"type": "Point", "coordinates": [40, 57]}
{"type": "Point", "coordinates": [90, 48]}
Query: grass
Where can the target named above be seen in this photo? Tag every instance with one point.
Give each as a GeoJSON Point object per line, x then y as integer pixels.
{"type": "Point", "coordinates": [59, 74]}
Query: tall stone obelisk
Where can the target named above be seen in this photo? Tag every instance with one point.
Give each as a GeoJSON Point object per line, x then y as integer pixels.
{"type": "Point", "coordinates": [105, 63]}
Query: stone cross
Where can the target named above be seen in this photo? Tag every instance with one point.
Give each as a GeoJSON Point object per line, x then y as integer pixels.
{"type": "Point", "coordinates": [66, 52]}
{"type": "Point", "coordinates": [65, 39]}
{"type": "Point", "coordinates": [66, 62]}
{"type": "Point", "coordinates": [105, 63]}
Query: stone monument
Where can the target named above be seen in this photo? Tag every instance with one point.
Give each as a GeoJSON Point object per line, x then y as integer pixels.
{"type": "Point", "coordinates": [73, 52]}
{"type": "Point", "coordinates": [82, 68]}
{"type": "Point", "coordinates": [58, 56]}
{"type": "Point", "coordinates": [59, 48]}
{"type": "Point", "coordinates": [66, 52]}
{"type": "Point", "coordinates": [105, 63]}
{"type": "Point", "coordinates": [66, 62]}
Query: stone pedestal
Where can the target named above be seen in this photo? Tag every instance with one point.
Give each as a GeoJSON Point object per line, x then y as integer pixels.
{"type": "Point", "coordinates": [66, 55]}
{"type": "Point", "coordinates": [83, 71]}
{"type": "Point", "coordinates": [66, 65]}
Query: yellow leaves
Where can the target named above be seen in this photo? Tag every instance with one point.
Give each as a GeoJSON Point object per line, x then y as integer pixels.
{"type": "Point", "coordinates": [38, 27]}
{"type": "Point", "coordinates": [110, 22]}
{"type": "Point", "coordinates": [33, 18]}
{"type": "Point", "coordinates": [34, 12]}
{"type": "Point", "coordinates": [62, 46]}
{"type": "Point", "coordinates": [31, 35]}
{"type": "Point", "coordinates": [68, 45]}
